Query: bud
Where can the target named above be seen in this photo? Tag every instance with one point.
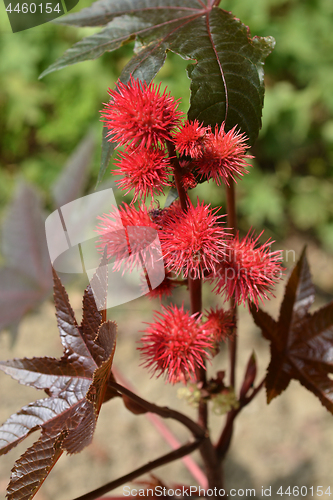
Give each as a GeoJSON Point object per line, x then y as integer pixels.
{"type": "Point", "coordinates": [249, 377]}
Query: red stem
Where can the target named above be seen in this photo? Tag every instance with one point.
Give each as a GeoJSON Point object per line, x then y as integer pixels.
{"type": "Point", "coordinates": [226, 435]}
{"type": "Point", "coordinates": [232, 225]}
{"type": "Point", "coordinates": [164, 411]}
{"type": "Point", "coordinates": [195, 289]}
{"type": "Point", "coordinates": [104, 315]}
{"type": "Point", "coordinates": [207, 450]}
{"type": "Point", "coordinates": [165, 459]}
{"type": "Point", "coordinates": [223, 444]}
{"type": "Point", "coordinates": [177, 175]}
{"type": "Point", "coordinates": [165, 432]}
{"type": "Point", "coordinates": [194, 285]}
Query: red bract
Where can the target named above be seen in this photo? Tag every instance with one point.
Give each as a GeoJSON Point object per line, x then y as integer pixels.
{"type": "Point", "coordinates": [128, 235]}
{"type": "Point", "coordinates": [175, 344]}
{"type": "Point", "coordinates": [224, 157]}
{"type": "Point", "coordinates": [139, 114]}
{"type": "Point", "coordinates": [249, 270]}
{"type": "Point", "coordinates": [144, 170]}
{"type": "Point", "coordinates": [192, 241]}
{"type": "Point", "coordinates": [220, 323]}
{"type": "Point", "coordinates": [189, 139]}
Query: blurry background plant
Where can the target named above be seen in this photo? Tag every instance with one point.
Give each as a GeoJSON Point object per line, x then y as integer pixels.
{"type": "Point", "coordinates": [42, 121]}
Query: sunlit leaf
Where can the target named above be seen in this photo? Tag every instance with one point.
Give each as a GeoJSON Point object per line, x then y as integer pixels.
{"type": "Point", "coordinates": [227, 72]}
{"type": "Point", "coordinates": [76, 385]}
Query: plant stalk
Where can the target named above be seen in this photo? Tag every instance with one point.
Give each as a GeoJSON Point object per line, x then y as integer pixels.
{"type": "Point", "coordinates": [208, 453]}
{"type": "Point", "coordinates": [165, 459]}
{"type": "Point", "coordinates": [177, 175]}
{"type": "Point", "coordinates": [232, 225]}
{"type": "Point", "coordinates": [163, 412]}
{"type": "Point", "coordinates": [194, 285]}
{"type": "Point", "coordinates": [207, 450]}
{"type": "Point", "coordinates": [224, 442]}
{"type": "Point", "coordinates": [195, 289]}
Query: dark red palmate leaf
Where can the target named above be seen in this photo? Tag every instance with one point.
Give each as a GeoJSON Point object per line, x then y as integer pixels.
{"type": "Point", "coordinates": [76, 384]}
{"type": "Point", "coordinates": [301, 342]}
{"type": "Point", "coordinates": [26, 278]}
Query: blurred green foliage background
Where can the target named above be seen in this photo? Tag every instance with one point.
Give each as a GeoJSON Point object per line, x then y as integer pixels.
{"type": "Point", "coordinates": [289, 189]}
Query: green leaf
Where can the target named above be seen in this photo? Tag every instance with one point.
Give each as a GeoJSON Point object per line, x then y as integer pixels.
{"type": "Point", "coordinates": [117, 33]}
{"type": "Point", "coordinates": [227, 76]}
{"type": "Point", "coordinates": [104, 11]}
{"type": "Point", "coordinates": [146, 62]}
{"type": "Point", "coordinates": [227, 81]}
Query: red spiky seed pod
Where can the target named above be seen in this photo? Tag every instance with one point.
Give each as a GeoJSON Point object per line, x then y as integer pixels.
{"type": "Point", "coordinates": [192, 241]}
{"type": "Point", "coordinates": [225, 156]}
{"type": "Point", "coordinates": [190, 139]}
{"type": "Point", "coordinates": [220, 323]}
{"type": "Point", "coordinates": [140, 114]}
{"type": "Point", "coordinates": [175, 345]}
{"type": "Point", "coordinates": [144, 170]}
{"type": "Point", "coordinates": [249, 270]}
{"type": "Point", "coordinates": [129, 235]}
